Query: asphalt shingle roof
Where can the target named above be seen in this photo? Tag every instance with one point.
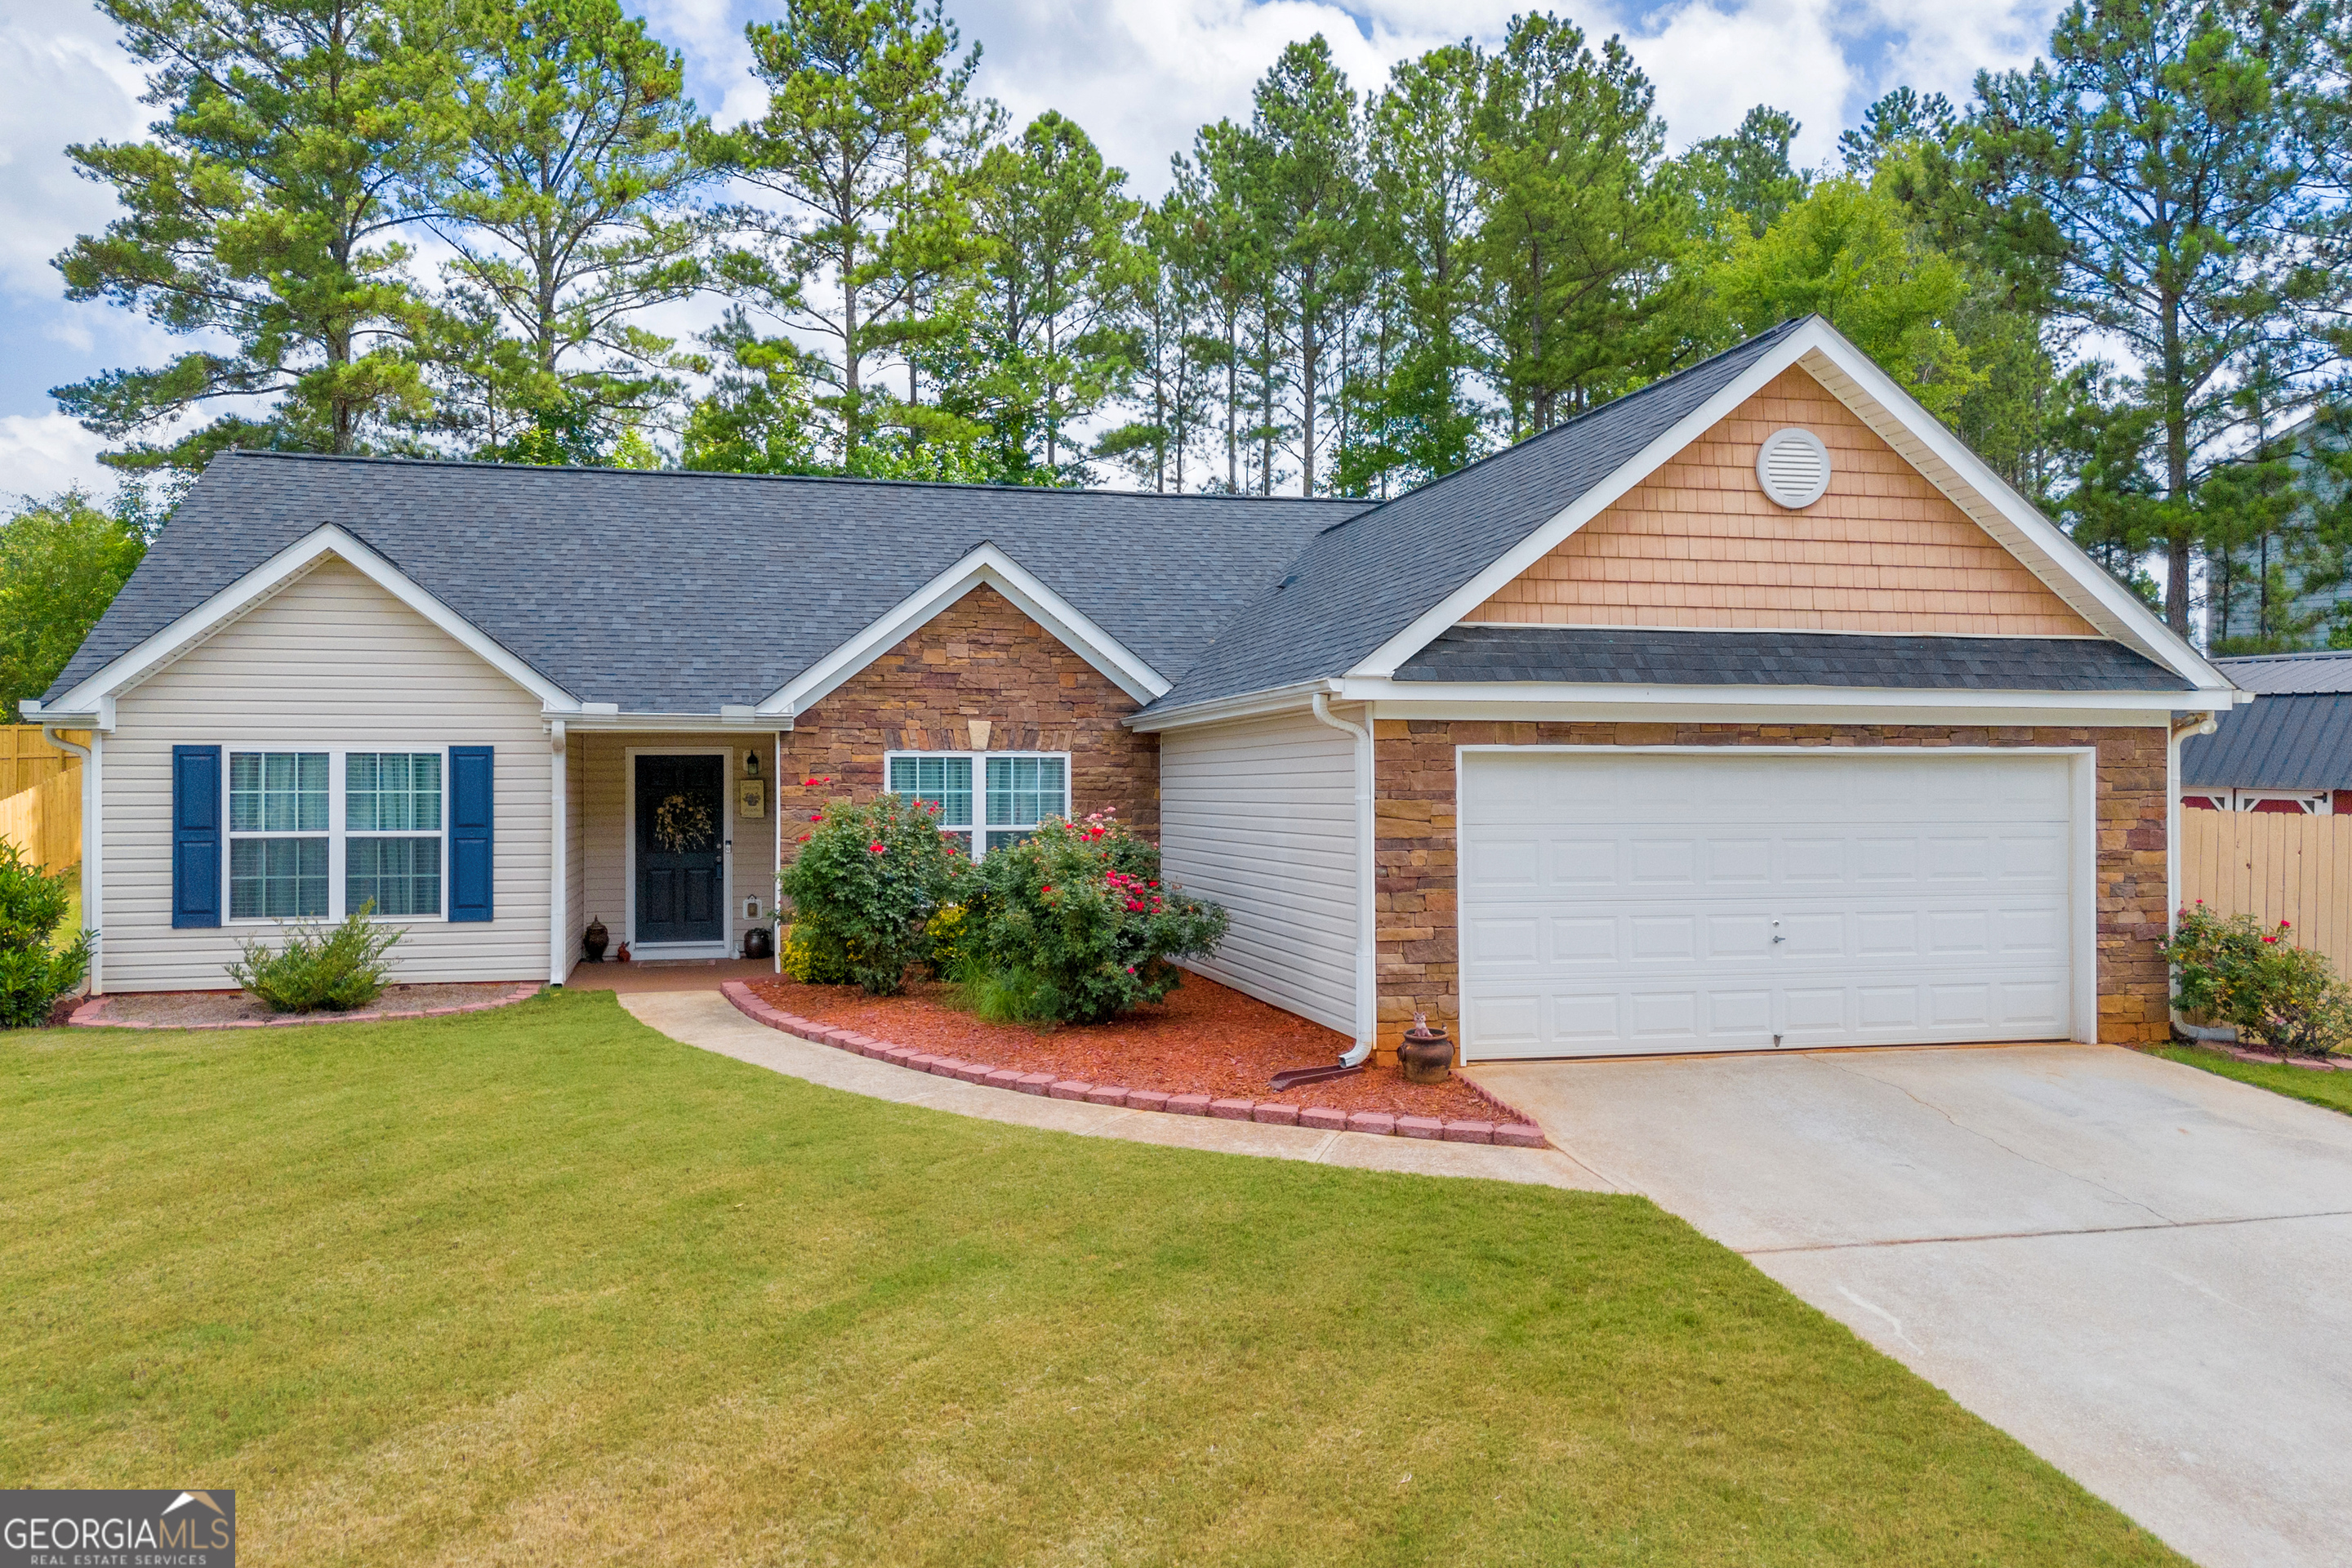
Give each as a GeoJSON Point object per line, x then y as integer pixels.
{"type": "Point", "coordinates": [1585, 654]}
{"type": "Point", "coordinates": [1360, 581]}
{"type": "Point", "coordinates": [675, 592]}
{"type": "Point", "coordinates": [2295, 734]}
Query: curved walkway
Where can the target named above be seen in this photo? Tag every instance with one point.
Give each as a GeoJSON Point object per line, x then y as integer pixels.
{"type": "Point", "coordinates": [707, 1020]}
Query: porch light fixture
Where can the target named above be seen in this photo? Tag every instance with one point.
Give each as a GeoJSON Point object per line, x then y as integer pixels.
{"type": "Point", "coordinates": [750, 764]}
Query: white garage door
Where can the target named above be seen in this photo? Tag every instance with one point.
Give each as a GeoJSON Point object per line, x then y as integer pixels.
{"type": "Point", "coordinates": [1647, 902]}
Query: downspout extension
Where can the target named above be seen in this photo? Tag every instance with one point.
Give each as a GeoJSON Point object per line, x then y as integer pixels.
{"type": "Point", "coordinates": [1367, 948]}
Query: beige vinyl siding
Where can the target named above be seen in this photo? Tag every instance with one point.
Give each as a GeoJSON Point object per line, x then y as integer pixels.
{"type": "Point", "coordinates": [604, 801]}
{"type": "Point", "coordinates": [330, 660]}
{"type": "Point", "coordinates": [1260, 816]}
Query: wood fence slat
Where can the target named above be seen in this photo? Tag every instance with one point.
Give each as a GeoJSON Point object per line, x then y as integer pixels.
{"type": "Point", "coordinates": [2274, 866]}
{"type": "Point", "coordinates": [41, 797]}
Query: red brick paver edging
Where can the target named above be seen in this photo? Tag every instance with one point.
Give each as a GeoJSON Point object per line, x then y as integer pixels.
{"type": "Point", "coordinates": [1513, 1134]}
{"type": "Point", "coordinates": [91, 1015]}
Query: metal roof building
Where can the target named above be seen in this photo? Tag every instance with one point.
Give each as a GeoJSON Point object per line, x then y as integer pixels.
{"type": "Point", "coordinates": [2295, 734]}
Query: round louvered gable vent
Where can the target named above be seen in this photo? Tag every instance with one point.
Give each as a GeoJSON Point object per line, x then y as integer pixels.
{"type": "Point", "coordinates": [1794, 467]}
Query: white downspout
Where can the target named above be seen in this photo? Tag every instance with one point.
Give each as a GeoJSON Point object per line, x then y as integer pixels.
{"type": "Point", "coordinates": [559, 901]}
{"type": "Point", "coordinates": [1368, 998]}
{"type": "Point", "coordinates": [93, 868]}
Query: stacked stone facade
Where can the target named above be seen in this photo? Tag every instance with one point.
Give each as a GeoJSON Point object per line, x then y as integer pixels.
{"type": "Point", "coordinates": [1416, 896]}
{"type": "Point", "coordinates": [981, 675]}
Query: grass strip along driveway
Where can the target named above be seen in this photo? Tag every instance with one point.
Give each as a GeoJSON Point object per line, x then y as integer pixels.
{"type": "Point", "coordinates": [540, 1285]}
{"type": "Point", "coordinates": [2332, 1090]}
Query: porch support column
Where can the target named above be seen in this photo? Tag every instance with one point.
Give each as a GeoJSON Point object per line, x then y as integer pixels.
{"type": "Point", "coordinates": [558, 858]}
{"type": "Point", "coordinates": [776, 860]}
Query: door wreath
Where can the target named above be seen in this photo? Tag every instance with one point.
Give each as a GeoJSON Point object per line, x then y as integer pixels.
{"type": "Point", "coordinates": [682, 822]}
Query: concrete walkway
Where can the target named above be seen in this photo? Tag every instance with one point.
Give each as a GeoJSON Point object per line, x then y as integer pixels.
{"type": "Point", "coordinates": [706, 1019]}
{"type": "Point", "coordinates": [2142, 1272]}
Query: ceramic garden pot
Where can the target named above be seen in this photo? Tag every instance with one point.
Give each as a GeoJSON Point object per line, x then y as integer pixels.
{"type": "Point", "coordinates": [1426, 1056]}
{"type": "Point", "coordinates": [592, 944]}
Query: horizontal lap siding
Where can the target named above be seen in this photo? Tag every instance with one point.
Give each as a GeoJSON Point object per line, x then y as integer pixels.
{"type": "Point", "coordinates": [1260, 816]}
{"type": "Point", "coordinates": [330, 660]}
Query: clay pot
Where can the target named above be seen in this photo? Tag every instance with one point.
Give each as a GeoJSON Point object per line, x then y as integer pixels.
{"type": "Point", "coordinates": [759, 943]}
{"type": "Point", "coordinates": [592, 944]}
{"type": "Point", "coordinates": [1426, 1056]}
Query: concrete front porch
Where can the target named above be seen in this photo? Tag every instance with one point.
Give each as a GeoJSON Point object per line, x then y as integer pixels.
{"type": "Point", "coordinates": [637, 978]}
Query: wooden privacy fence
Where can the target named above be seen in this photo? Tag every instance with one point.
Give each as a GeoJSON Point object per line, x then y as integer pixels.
{"type": "Point", "coordinates": [40, 796]}
{"type": "Point", "coordinates": [2276, 867]}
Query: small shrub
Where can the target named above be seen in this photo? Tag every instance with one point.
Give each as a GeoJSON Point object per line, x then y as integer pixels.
{"type": "Point", "coordinates": [804, 963]}
{"type": "Point", "coordinates": [1076, 925]}
{"type": "Point", "coordinates": [321, 968]}
{"type": "Point", "coordinates": [2304, 1008]}
{"type": "Point", "coordinates": [869, 879]}
{"type": "Point", "coordinates": [948, 955]}
{"type": "Point", "coordinates": [2215, 958]}
{"type": "Point", "coordinates": [35, 971]}
{"type": "Point", "coordinates": [1010, 996]}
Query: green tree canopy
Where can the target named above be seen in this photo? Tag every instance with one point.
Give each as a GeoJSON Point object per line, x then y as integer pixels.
{"type": "Point", "coordinates": [62, 560]}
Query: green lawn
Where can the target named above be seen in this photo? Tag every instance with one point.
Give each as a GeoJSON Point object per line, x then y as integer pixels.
{"type": "Point", "coordinates": [2332, 1090]}
{"type": "Point", "coordinates": [540, 1285]}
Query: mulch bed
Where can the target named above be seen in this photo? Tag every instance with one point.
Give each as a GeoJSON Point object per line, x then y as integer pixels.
{"type": "Point", "coordinates": [231, 1009]}
{"type": "Point", "coordinates": [1205, 1038]}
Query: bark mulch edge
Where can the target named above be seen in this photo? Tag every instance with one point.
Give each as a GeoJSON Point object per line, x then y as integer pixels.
{"type": "Point", "coordinates": [90, 1014]}
{"type": "Point", "coordinates": [1518, 1134]}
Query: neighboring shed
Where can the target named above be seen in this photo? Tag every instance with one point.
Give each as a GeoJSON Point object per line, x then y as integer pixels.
{"type": "Point", "coordinates": [2289, 751]}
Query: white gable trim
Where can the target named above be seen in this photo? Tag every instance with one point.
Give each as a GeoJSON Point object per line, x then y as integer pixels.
{"type": "Point", "coordinates": [985, 566]}
{"type": "Point", "coordinates": [118, 674]}
{"type": "Point", "coordinates": [1848, 375]}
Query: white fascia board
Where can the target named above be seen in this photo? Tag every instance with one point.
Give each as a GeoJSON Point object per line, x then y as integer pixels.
{"type": "Point", "coordinates": [606, 717]}
{"type": "Point", "coordinates": [127, 669]}
{"type": "Point", "coordinates": [989, 566]}
{"type": "Point", "coordinates": [1249, 705]}
{"type": "Point", "coordinates": [2042, 547]}
{"type": "Point", "coordinates": [1477, 700]}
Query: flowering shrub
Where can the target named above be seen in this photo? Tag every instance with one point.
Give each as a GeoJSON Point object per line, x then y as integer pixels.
{"type": "Point", "coordinates": [868, 879]}
{"type": "Point", "coordinates": [2235, 970]}
{"type": "Point", "coordinates": [1075, 921]}
{"type": "Point", "coordinates": [35, 971]}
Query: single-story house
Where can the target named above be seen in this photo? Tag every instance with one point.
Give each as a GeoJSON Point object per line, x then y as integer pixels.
{"type": "Point", "coordinates": [1750, 710]}
{"type": "Point", "coordinates": [2291, 751]}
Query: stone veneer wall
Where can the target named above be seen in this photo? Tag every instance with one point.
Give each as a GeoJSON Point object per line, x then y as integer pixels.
{"type": "Point", "coordinates": [1416, 900]}
{"type": "Point", "coordinates": [979, 676]}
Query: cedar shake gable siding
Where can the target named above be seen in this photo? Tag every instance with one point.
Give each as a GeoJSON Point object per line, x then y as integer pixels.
{"type": "Point", "coordinates": [980, 659]}
{"type": "Point", "coordinates": [1697, 543]}
{"type": "Point", "coordinates": [1415, 895]}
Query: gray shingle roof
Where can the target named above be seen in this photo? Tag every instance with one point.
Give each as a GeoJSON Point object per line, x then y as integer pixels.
{"type": "Point", "coordinates": [678, 592]}
{"type": "Point", "coordinates": [2290, 672]}
{"type": "Point", "coordinates": [1785, 658]}
{"type": "Point", "coordinates": [2290, 741]}
{"type": "Point", "coordinates": [1359, 583]}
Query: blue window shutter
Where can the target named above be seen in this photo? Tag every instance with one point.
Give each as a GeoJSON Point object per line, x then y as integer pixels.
{"type": "Point", "coordinates": [195, 836]}
{"type": "Point", "coordinates": [470, 771]}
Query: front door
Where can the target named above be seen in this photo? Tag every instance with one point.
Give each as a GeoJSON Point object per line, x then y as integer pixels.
{"type": "Point", "coordinates": [681, 850]}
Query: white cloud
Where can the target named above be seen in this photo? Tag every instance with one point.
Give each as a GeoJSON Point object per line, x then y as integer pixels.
{"type": "Point", "coordinates": [69, 80]}
{"type": "Point", "coordinates": [42, 453]}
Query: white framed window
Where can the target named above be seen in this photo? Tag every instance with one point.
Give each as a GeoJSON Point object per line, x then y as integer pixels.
{"type": "Point", "coordinates": [986, 799]}
{"type": "Point", "coordinates": [319, 835]}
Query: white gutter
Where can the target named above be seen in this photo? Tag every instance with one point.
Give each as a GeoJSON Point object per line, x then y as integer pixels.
{"type": "Point", "coordinates": [776, 861]}
{"type": "Point", "coordinates": [558, 867]}
{"type": "Point", "coordinates": [93, 867]}
{"type": "Point", "coordinates": [1368, 998]}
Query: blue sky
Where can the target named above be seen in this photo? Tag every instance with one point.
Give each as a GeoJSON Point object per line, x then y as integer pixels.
{"type": "Point", "coordinates": [1140, 75]}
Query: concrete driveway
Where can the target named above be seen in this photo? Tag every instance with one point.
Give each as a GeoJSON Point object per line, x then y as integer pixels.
{"type": "Point", "coordinates": [2142, 1272]}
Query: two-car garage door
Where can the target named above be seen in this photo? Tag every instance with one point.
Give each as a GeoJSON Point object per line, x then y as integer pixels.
{"type": "Point", "coordinates": [1628, 903]}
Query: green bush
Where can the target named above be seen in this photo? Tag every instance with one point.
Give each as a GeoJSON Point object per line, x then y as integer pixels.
{"type": "Point", "coordinates": [34, 971]}
{"type": "Point", "coordinates": [321, 968]}
{"type": "Point", "coordinates": [1074, 924]}
{"type": "Point", "coordinates": [2232, 969]}
{"type": "Point", "coordinates": [869, 878]}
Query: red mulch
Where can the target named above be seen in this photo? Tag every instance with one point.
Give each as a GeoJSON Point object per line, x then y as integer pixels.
{"type": "Point", "coordinates": [1205, 1038]}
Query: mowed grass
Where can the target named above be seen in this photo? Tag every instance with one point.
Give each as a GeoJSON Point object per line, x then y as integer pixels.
{"type": "Point", "coordinates": [2332, 1090]}
{"type": "Point", "coordinates": [543, 1286]}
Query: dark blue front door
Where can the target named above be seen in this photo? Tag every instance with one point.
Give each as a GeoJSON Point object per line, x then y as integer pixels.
{"type": "Point", "coordinates": [681, 850]}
